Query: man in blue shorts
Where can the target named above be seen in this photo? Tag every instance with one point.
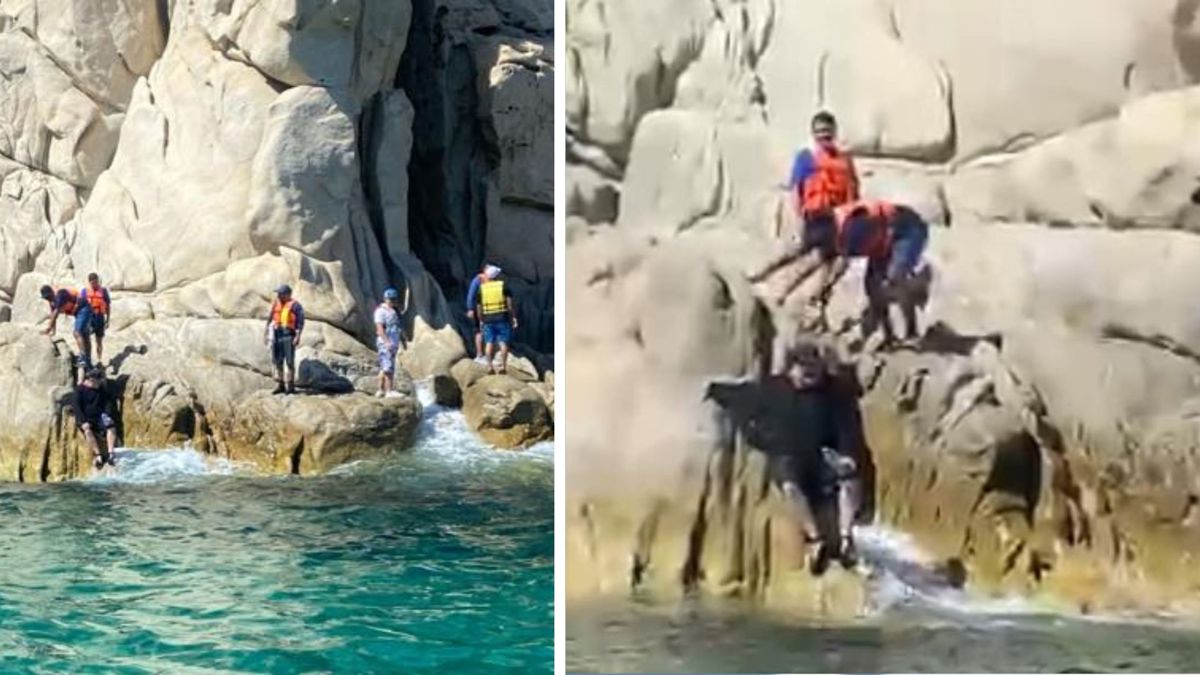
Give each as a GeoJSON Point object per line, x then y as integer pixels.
{"type": "Point", "coordinates": [497, 312]}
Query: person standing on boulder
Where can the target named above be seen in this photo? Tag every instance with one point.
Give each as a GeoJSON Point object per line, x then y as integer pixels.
{"type": "Point", "coordinates": [823, 178]}
{"type": "Point", "coordinates": [94, 309]}
{"type": "Point", "coordinates": [892, 237]}
{"type": "Point", "coordinates": [284, 328]}
{"type": "Point", "coordinates": [472, 295]}
{"type": "Point", "coordinates": [66, 302]}
{"type": "Point", "coordinates": [92, 406]}
{"type": "Point", "coordinates": [389, 337]}
{"type": "Point", "coordinates": [497, 313]}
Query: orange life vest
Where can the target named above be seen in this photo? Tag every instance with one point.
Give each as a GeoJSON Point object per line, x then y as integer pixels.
{"type": "Point", "coordinates": [832, 183]}
{"type": "Point", "coordinates": [71, 304]}
{"type": "Point", "coordinates": [95, 298]}
{"type": "Point", "coordinates": [879, 215]}
{"type": "Point", "coordinates": [282, 315]}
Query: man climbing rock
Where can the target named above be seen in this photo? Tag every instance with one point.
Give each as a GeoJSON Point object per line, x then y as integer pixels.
{"type": "Point", "coordinates": [389, 337]}
{"type": "Point", "coordinates": [823, 178]}
{"type": "Point", "coordinates": [62, 301]}
{"type": "Point", "coordinates": [93, 311]}
{"type": "Point", "coordinates": [472, 296]}
{"type": "Point", "coordinates": [498, 315]}
{"type": "Point", "coordinates": [92, 406]}
{"type": "Point", "coordinates": [811, 432]}
{"type": "Point", "coordinates": [284, 328]}
{"type": "Point", "coordinates": [892, 238]}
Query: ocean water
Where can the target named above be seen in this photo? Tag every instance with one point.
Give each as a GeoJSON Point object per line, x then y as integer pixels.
{"type": "Point", "coordinates": [913, 626]}
{"type": "Point", "coordinates": [437, 560]}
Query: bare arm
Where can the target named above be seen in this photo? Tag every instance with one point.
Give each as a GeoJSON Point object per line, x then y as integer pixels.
{"type": "Point", "coordinates": [407, 292]}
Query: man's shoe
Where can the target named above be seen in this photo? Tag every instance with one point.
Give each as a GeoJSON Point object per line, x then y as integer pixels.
{"type": "Point", "coordinates": [291, 389]}
{"type": "Point", "coordinates": [279, 389]}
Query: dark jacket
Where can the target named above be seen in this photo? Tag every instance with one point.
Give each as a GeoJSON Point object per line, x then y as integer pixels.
{"type": "Point", "coordinates": [89, 403]}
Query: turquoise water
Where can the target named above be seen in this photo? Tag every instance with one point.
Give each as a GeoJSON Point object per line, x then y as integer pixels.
{"type": "Point", "coordinates": [440, 560]}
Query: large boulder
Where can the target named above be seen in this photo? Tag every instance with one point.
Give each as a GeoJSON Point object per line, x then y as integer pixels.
{"type": "Point", "coordinates": [507, 413]}
{"type": "Point", "coordinates": [432, 351]}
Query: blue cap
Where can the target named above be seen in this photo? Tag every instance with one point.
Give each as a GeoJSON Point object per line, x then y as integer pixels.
{"type": "Point", "coordinates": [391, 294]}
{"type": "Point", "coordinates": [284, 290]}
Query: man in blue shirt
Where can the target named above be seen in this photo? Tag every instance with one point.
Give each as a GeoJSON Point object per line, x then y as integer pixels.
{"type": "Point", "coordinates": [488, 272]}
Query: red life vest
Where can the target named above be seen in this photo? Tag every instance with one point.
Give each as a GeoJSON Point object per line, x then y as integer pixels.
{"type": "Point", "coordinates": [879, 215]}
{"type": "Point", "coordinates": [832, 183]}
{"type": "Point", "coordinates": [72, 302]}
{"type": "Point", "coordinates": [282, 315]}
{"type": "Point", "coordinates": [95, 298]}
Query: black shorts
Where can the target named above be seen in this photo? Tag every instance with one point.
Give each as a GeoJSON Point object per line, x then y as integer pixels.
{"type": "Point", "coordinates": [819, 234]}
{"type": "Point", "coordinates": [103, 422]}
{"type": "Point", "coordinates": [817, 475]}
{"type": "Point", "coordinates": [282, 349]}
{"type": "Point", "coordinates": [98, 325]}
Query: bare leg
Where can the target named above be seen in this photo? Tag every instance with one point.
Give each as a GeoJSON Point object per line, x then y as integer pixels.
{"type": "Point", "coordinates": [93, 444]}
{"type": "Point", "coordinates": [478, 343]}
{"type": "Point", "coordinates": [809, 263]}
{"type": "Point", "coordinates": [802, 510]}
{"type": "Point", "coordinates": [774, 264]}
{"type": "Point", "coordinates": [503, 357]}
{"type": "Point", "coordinates": [99, 349]}
{"type": "Point", "coordinates": [111, 437]}
{"type": "Point", "coordinates": [488, 354]}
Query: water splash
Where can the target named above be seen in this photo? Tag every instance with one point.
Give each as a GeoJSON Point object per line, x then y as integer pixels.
{"type": "Point", "coordinates": [157, 466]}
{"type": "Point", "coordinates": [903, 575]}
{"type": "Point", "coordinates": [444, 432]}
{"type": "Point", "coordinates": [443, 437]}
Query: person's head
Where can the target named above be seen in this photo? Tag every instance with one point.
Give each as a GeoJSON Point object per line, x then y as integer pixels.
{"type": "Point", "coordinates": [47, 293]}
{"type": "Point", "coordinates": [491, 272]}
{"type": "Point", "coordinates": [391, 296]}
{"type": "Point", "coordinates": [284, 292]}
{"type": "Point", "coordinates": [824, 128]}
{"type": "Point", "coordinates": [93, 376]}
{"type": "Point", "coordinates": [94, 280]}
{"type": "Point", "coordinates": [805, 365]}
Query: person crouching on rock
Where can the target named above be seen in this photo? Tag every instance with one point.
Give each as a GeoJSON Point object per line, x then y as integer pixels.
{"type": "Point", "coordinates": [389, 337]}
{"type": "Point", "coordinates": [803, 423]}
{"type": "Point", "coordinates": [63, 301]}
{"type": "Point", "coordinates": [283, 336]}
{"type": "Point", "coordinates": [892, 238]}
{"type": "Point", "coordinates": [472, 314]}
{"type": "Point", "coordinates": [92, 407]}
{"type": "Point", "coordinates": [91, 318]}
{"type": "Point", "coordinates": [498, 313]}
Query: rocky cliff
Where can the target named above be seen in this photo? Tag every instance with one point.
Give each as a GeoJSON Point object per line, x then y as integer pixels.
{"type": "Point", "coordinates": [197, 153]}
{"type": "Point", "coordinates": [1042, 433]}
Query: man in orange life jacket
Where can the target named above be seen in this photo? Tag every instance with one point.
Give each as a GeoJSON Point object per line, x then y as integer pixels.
{"type": "Point", "coordinates": [91, 318]}
{"type": "Point", "coordinates": [823, 178]}
{"type": "Point", "coordinates": [892, 238]}
{"type": "Point", "coordinates": [284, 327]}
{"type": "Point", "coordinates": [62, 301]}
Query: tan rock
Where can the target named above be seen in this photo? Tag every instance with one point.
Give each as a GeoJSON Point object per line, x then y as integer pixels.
{"type": "Point", "coordinates": [104, 46]}
{"type": "Point", "coordinates": [507, 413]}
{"type": "Point", "coordinates": [431, 351]}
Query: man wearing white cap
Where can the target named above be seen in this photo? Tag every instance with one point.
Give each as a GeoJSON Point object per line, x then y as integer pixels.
{"type": "Point", "coordinates": [498, 316]}
{"type": "Point", "coordinates": [472, 295]}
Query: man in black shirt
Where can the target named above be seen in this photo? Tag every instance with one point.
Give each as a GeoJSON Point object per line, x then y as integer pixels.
{"type": "Point", "coordinates": [92, 407]}
{"type": "Point", "coordinates": [808, 428]}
